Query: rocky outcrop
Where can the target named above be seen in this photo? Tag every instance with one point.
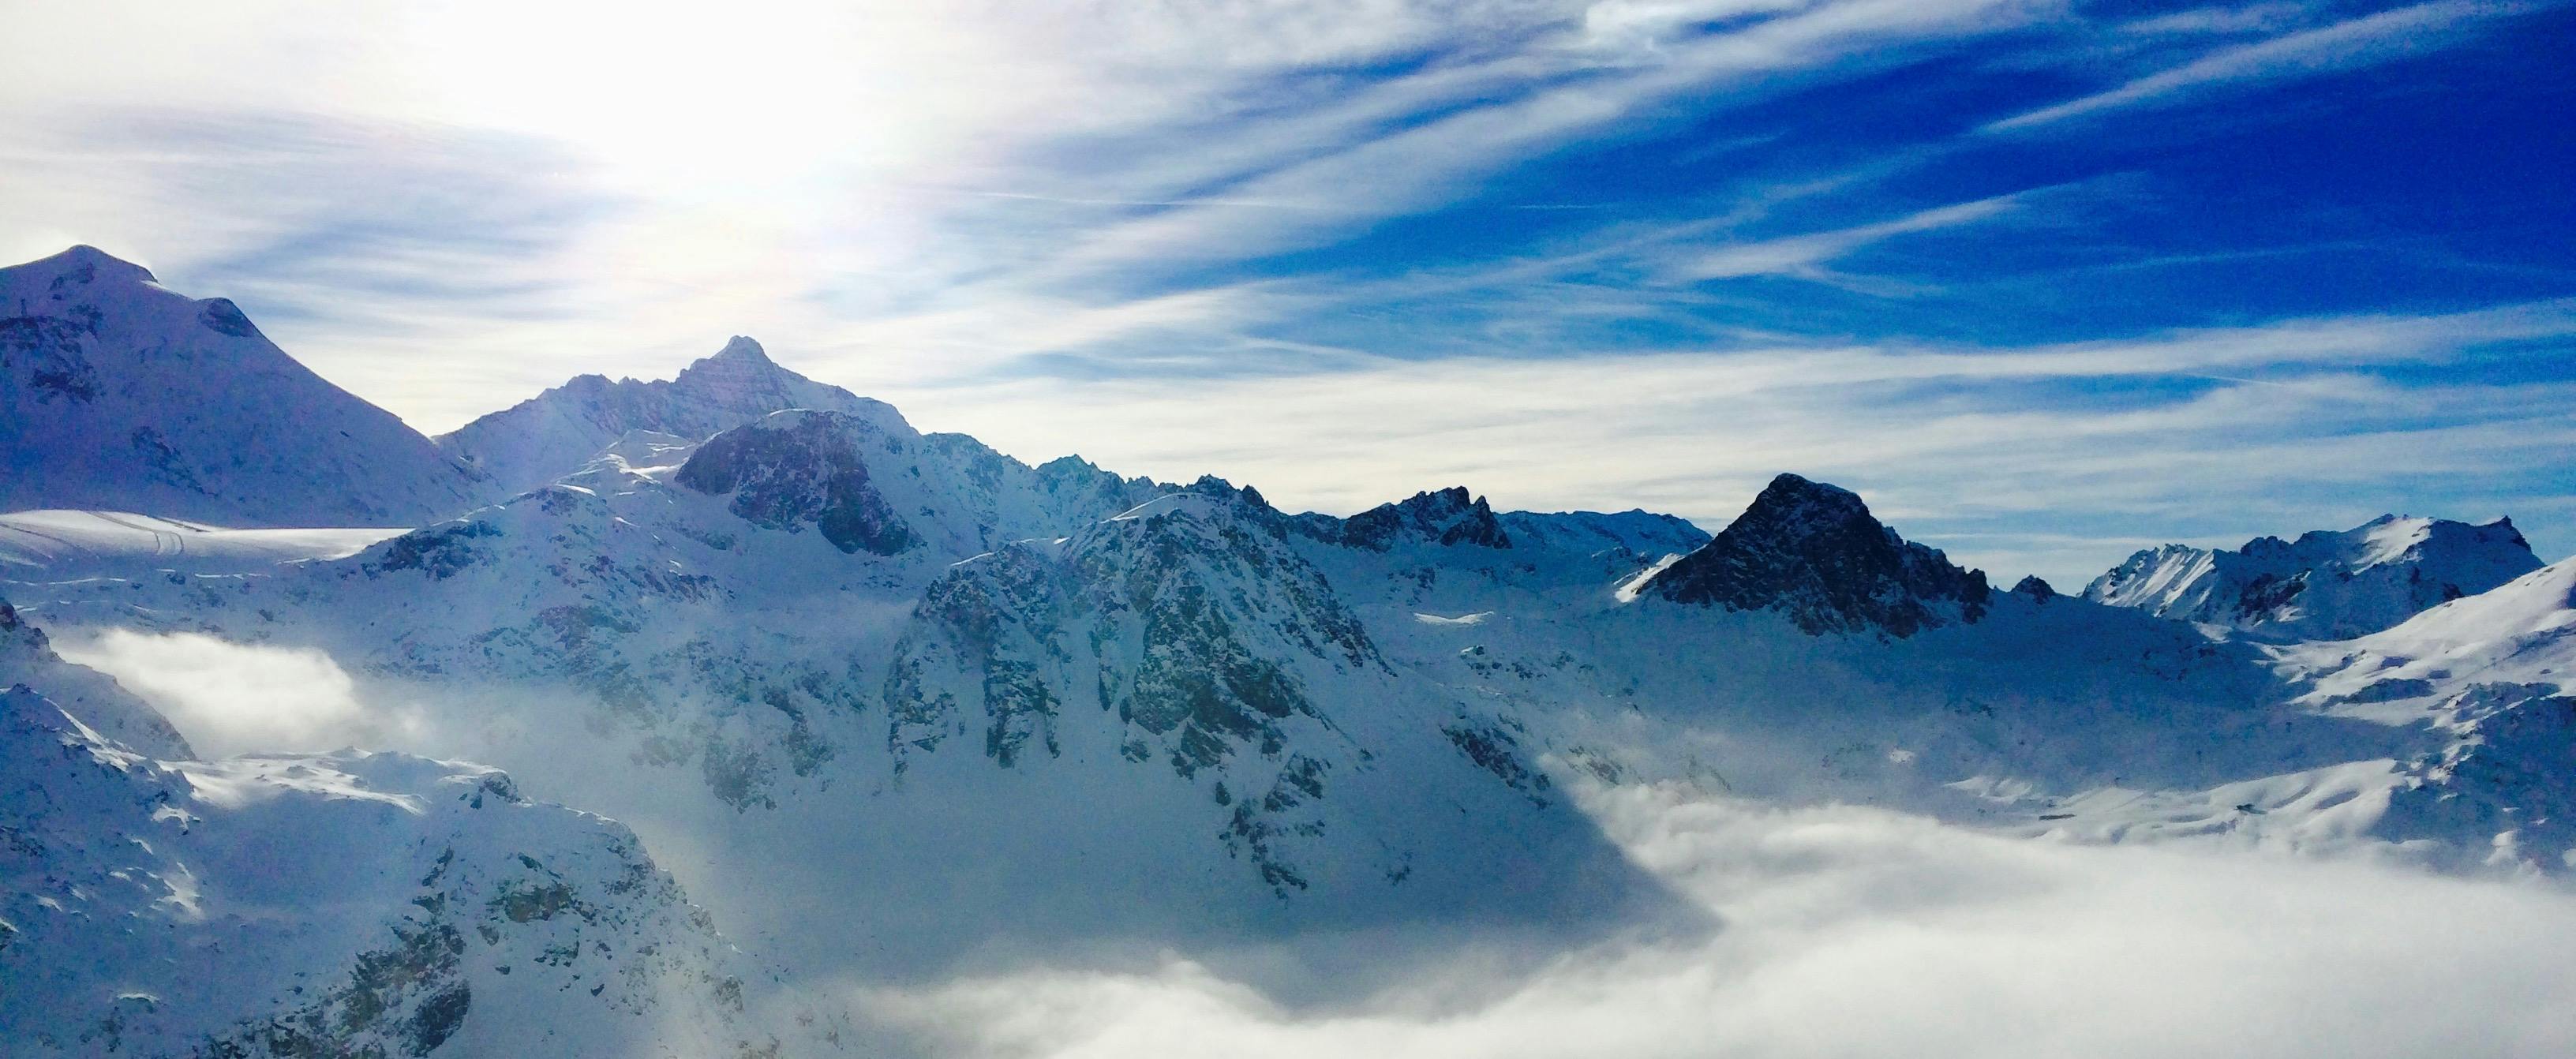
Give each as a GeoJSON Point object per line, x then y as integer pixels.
{"type": "Point", "coordinates": [1813, 553]}
{"type": "Point", "coordinates": [796, 469]}
{"type": "Point", "coordinates": [1448, 517]}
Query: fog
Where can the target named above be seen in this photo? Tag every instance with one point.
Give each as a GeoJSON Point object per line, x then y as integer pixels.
{"type": "Point", "coordinates": [1853, 932]}
{"type": "Point", "coordinates": [231, 698]}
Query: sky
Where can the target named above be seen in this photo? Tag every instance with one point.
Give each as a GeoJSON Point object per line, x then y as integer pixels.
{"type": "Point", "coordinates": [2045, 281]}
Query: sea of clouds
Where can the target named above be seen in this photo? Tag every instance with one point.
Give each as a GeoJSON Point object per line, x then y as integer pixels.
{"type": "Point", "coordinates": [1841, 931]}
{"type": "Point", "coordinates": [1855, 932]}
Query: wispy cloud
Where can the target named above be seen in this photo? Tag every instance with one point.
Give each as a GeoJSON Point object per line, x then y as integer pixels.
{"type": "Point", "coordinates": [1139, 230]}
{"type": "Point", "coordinates": [1803, 256]}
{"type": "Point", "coordinates": [2343, 45]}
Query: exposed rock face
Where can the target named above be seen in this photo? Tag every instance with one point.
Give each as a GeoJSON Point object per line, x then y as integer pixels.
{"type": "Point", "coordinates": [2324, 585]}
{"type": "Point", "coordinates": [117, 394]}
{"type": "Point", "coordinates": [801, 468]}
{"type": "Point", "coordinates": [552, 434]}
{"type": "Point", "coordinates": [2036, 588]}
{"type": "Point", "coordinates": [1188, 623]}
{"type": "Point", "coordinates": [1814, 553]}
{"type": "Point", "coordinates": [1450, 516]}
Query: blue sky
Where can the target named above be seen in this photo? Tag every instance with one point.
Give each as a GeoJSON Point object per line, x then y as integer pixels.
{"type": "Point", "coordinates": [2045, 281]}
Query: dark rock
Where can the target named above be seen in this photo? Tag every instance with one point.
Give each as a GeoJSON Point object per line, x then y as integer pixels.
{"type": "Point", "coordinates": [1813, 552]}
{"type": "Point", "coordinates": [801, 468]}
{"type": "Point", "coordinates": [223, 317]}
{"type": "Point", "coordinates": [1449, 517]}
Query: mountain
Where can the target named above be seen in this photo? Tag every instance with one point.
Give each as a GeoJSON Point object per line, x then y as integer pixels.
{"type": "Point", "coordinates": [1814, 552]}
{"type": "Point", "coordinates": [421, 906]}
{"type": "Point", "coordinates": [2488, 677]}
{"type": "Point", "coordinates": [826, 653]}
{"type": "Point", "coordinates": [2324, 585]}
{"type": "Point", "coordinates": [552, 434]}
{"type": "Point", "coordinates": [117, 394]}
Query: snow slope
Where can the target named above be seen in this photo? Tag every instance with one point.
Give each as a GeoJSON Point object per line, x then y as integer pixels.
{"type": "Point", "coordinates": [63, 545]}
{"type": "Point", "coordinates": [119, 395]}
{"type": "Point", "coordinates": [2487, 675]}
{"type": "Point", "coordinates": [552, 434]}
{"type": "Point", "coordinates": [2322, 586]}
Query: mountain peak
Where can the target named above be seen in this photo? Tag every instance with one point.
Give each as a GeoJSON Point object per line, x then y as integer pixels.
{"type": "Point", "coordinates": [744, 349]}
{"type": "Point", "coordinates": [557, 432]}
{"type": "Point", "coordinates": [740, 362]}
{"type": "Point", "coordinates": [83, 263]}
{"type": "Point", "coordinates": [120, 394]}
{"type": "Point", "coordinates": [1814, 552]}
{"type": "Point", "coordinates": [1813, 503]}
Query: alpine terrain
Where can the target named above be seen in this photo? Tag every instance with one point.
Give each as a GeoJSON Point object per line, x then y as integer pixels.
{"type": "Point", "coordinates": [881, 704]}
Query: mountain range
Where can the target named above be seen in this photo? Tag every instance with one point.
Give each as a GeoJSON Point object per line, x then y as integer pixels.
{"type": "Point", "coordinates": [891, 703]}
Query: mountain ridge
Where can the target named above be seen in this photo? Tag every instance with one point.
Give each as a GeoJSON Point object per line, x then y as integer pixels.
{"type": "Point", "coordinates": [2324, 585]}
{"type": "Point", "coordinates": [118, 394]}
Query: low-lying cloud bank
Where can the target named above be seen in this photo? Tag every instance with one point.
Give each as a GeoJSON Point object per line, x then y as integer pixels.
{"type": "Point", "coordinates": [231, 698]}
{"type": "Point", "coordinates": [1853, 932]}
{"type": "Point", "coordinates": [1844, 932]}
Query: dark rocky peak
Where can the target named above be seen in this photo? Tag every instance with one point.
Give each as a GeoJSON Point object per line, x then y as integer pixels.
{"type": "Point", "coordinates": [2035, 588]}
{"type": "Point", "coordinates": [794, 469]}
{"type": "Point", "coordinates": [1814, 553]}
{"type": "Point", "coordinates": [1449, 516]}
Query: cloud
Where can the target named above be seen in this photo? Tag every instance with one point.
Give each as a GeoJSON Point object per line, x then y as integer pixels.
{"type": "Point", "coordinates": [1857, 933]}
{"type": "Point", "coordinates": [1804, 256]}
{"type": "Point", "coordinates": [2344, 45]}
{"type": "Point", "coordinates": [229, 698]}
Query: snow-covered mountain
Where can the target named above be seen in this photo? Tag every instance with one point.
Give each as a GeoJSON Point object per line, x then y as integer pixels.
{"type": "Point", "coordinates": [832, 625]}
{"type": "Point", "coordinates": [2324, 585]}
{"type": "Point", "coordinates": [2488, 677]}
{"type": "Point", "coordinates": [344, 904]}
{"type": "Point", "coordinates": [893, 703]}
{"type": "Point", "coordinates": [117, 394]}
{"type": "Point", "coordinates": [552, 434]}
